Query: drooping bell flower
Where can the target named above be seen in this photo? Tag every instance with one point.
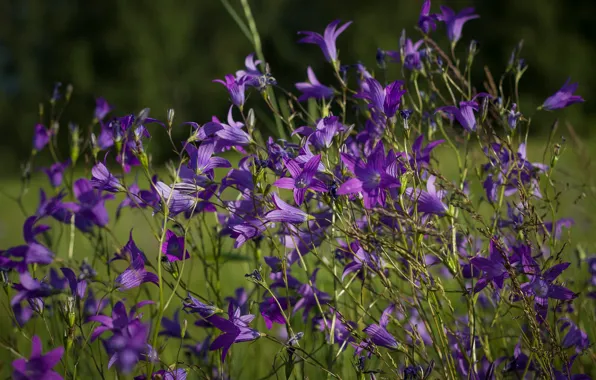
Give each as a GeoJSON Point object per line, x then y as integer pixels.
{"type": "Point", "coordinates": [41, 137]}
{"type": "Point", "coordinates": [563, 98]}
{"type": "Point", "coordinates": [55, 173]}
{"type": "Point", "coordinates": [455, 22]}
{"type": "Point", "coordinates": [326, 41]}
{"type": "Point", "coordinates": [378, 332]}
{"type": "Point", "coordinates": [313, 88]}
{"type": "Point", "coordinates": [236, 88]}
{"type": "Point", "coordinates": [285, 213]}
{"type": "Point", "coordinates": [103, 180]}
{"type": "Point", "coordinates": [102, 108]}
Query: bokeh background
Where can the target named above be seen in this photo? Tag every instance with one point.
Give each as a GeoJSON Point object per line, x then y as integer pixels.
{"type": "Point", "coordinates": [164, 53]}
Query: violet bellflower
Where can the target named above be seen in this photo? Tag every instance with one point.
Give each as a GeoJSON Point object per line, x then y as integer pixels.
{"type": "Point", "coordinates": [271, 312]}
{"type": "Point", "coordinates": [429, 201]}
{"type": "Point", "coordinates": [251, 72]}
{"type": "Point", "coordinates": [326, 41]}
{"type": "Point", "coordinates": [285, 213]}
{"type": "Point", "coordinates": [32, 252]}
{"type": "Point", "coordinates": [455, 22]}
{"type": "Point", "coordinates": [135, 275]}
{"type": "Point", "coordinates": [41, 137]}
{"type": "Point", "coordinates": [493, 268]}
{"type": "Point", "coordinates": [427, 21]}
{"type": "Point", "coordinates": [235, 330]}
{"type": "Point", "coordinates": [541, 285]}
{"type": "Point", "coordinates": [313, 88]}
{"type": "Point", "coordinates": [302, 180]}
{"type": "Point", "coordinates": [575, 336]}
{"type": "Point", "coordinates": [322, 136]}
{"type": "Point", "coordinates": [382, 101]}
{"type": "Point", "coordinates": [103, 180]}
{"type": "Point", "coordinates": [173, 247]}
{"type": "Point", "coordinates": [39, 365]}
{"type": "Point", "coordinates": [102, 108]}
{"type": "Point", "coordinates": [464, 115]}
{"type": "Point", "coordinates": [236, 87]}
{"type": "Point", "coordinates": [378, 332]}
{"type": "Point", "coordinates": [371, 178]}
{"type": "Point", "coordinates": [172, 327]}
{"type": "Point", "coordinates": [166, 374]}
{"type": "Point", "coordinates": [311, 296]}
{"type": "Point", "coordinates": [562, 98]}
{"type": "Point", "coordinates": [55, 173]}
{"type": "Point", "coordinates": [202, 161]}
{"type": "Point", "coordinates": [91, 208]}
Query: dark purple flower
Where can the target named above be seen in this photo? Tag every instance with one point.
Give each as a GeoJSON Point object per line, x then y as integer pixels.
{"type": "Point", "coordinates": [429, 201]}
{"type": "Point", "coordinates": [38, 366]}
{"type": "Point", "coordinates": [94, 306]}
{"type": "Point", "coordinates": [361, 259]}
{"type": "Point", "coordinates": [285, 213]}
{"type": "Point", "coordinates": [464, 114]}
{"type": "Point", "coordinates": [193, 305]}
{"type": "Point", "coordinates": [313, 88]}
{"type": "Point", "coordinates": [271, 312]}
{"type": "Point", "coordinates": [127, 346]}
{"type": "Point", "coordinates": [341, 336]}
{"type": "Point", "coordinates": [135, 275]}
{"type": "Point", "coordinates": [103, 180]}
{"type": "Point", "coordinates": [78, 287]}
{"type": "Point", "coordinates": [91, 208]}
{"type": "Point", "coordinates": [102, 108]}
{"type": "Point", "coordinates": [172, 327]}
{"type": "Point", "coordinates": [235, 330]}
{"type": "Point", "coordinates": [163, 374]}
{"type": "Point", "coordinates": [541, 284]}
{"type": "Point", "coordinates": [455, 22]}
{"type": "Point", "coordinates": [32, 252]}
{"type": "Point", "coordinates": [173, 247]}
{"type": "Point", "coordinates": [310, 296]}
{"type": "Point", "coordinates": [371, 179]}
{"type": "Point", "coordinates": [41, 137]}
{"type": "Point", "coordinates": [327, 41]}
{"type": "Point", "coordinates": [493, 268]}
{"type": "Point", "coordinates": [378, 332]}
{"type": "Point", "coordinates": [202, 161]}
{"type": "Point", "coordinates": [382, 101]}
{"type": "Point", "coordinates": [302, 180]}
{"type": "Point", "coordinates": [575, 336]}
{"type": "Point", "coordinates": [236, 88]}
{"type": "Point", "coordinates": [427, 21]}
{"type": "Point", "coordinates": [55, 173]}
{"type": "Point", "coordinates": [322, 136]}
{"type": "Point", "coordinates": [513, 116]}
{"type": "Point", "coordinates": [563, 98]}
{"type": "Point", "coordinates": [179, 197]}
{"type": "Point", "coordinates": [252, 72]}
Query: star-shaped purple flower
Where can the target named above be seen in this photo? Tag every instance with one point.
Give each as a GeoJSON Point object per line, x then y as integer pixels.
{"type": "Point", "coordinates": [235, 330]}
{"type": "Point", "coordinates": [38, 366]}
{"type": "Point", "coordinates": [563, 98]}
{"type": "Point", "coordinates": [302, 179]}
{"type": "Point", "coordinates": [326, 41]}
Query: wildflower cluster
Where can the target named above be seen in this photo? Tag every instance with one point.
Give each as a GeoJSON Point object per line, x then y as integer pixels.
{"type": "Point", "coordinates": [357, 245]}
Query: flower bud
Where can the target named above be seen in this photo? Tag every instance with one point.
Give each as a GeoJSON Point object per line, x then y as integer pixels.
{"type": "Point", "coordinates": [250, 120]}
{"type": "Point", "coordinates": [170, 117]}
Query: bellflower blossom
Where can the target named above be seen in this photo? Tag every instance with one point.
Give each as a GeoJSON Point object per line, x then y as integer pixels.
{"type": "Point", "coordinates": [236, 88]}
{"type": "Point", "coordinates": [311, 296]}
{"type": "Point", "coordinates": [382, 101]}
{"type": "Point", "coordinates": [371, 178]}
{"type": "Point", "coordinates": [455, 22]}
{"type": "Point", "coordinates": [39, 365]}
{"type": "Point", "coordinates": [173, 247]}
{"type": "Point", "coordinates": [55, 173]}
{"type": "Point", "coordinates": [464, 115]}
{"type": "Point", "coordinates": [378, 332]}
{"type": "Point", "coordinates": [326, 41]}
{"type": "Point", "coordinates": [563, 98]}
{"type": "Point", "coordinates": [427, 21]}
{"type": "Point", "coordinates": [135, 275]}
{"type": "Point", "coordinates": [313, 88]}
{"type": "Point", "coordinates": [302, 180]}
{"type": "Point", "coordinates": [251, 73]}
{"type": "Point", "coordinates": [102, 108]}
{"type": "Point", "coordinates": [235, 330]}
{"type": "Point", "coordinates": [286, 213]}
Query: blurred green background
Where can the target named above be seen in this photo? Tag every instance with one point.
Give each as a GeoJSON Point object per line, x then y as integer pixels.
{"type": "Point", "coordinates": [164, 53]}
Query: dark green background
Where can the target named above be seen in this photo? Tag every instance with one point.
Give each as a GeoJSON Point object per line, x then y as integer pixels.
{"type": "Point", "coordinates": [165, 53]}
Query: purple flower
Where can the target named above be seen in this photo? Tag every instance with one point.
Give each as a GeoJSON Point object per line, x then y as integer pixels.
{"type": "Point", "coordinates": [103, 180]}
{"type": "Point", "coordinates": [271, 312]}
{"type": "Point", "coordinates": [302, 179]}
{"type": "Point", "coordinates": [78, 287]}
{"type": "Point", "coordinates": [91, 208]}
{"type": "Point", "coordinates": [371, 179]}
{"type": "Point", "coordinates": [55, 173]}
{"type": "Point", "coordinates": [252, 73]}
{"type": "Point", "coordinates": [38, 366]}
{"type": "Point", "coordinates": [310, 296]}
{"type": "Point", "coordinates": [41, 137]}
{"type": "Point", "coordinates": [563, 98]}
{"type": "Point", "coordinates": [135, 275]}
{"type": "Point", "coordinates": [378, 332]}
{"type": "Point", "coordinates": [285, 213]}
{"type": "Point", "coordinates": [493, 268]}
{"type": "Point", "coordinates": [235, 330]}
{"type": "Point", "coordinates": [173, 247]}
{"type": "Point", "coordinates": [541, 285]}
{"type": "Point", "coordinates": [513, 116]}
{"type": "Point", "coordinates": [313, 88]}
{"type": "Point", "coordinates": [429, 201]}
{"type": "Point", "coordinates": [361, 259]}
{"type": "Point", "coordinates": [556, 228]}
{"type": "Point", "coordinates": [455, 22]}
{"type": "Point", "coordinates": [172, 327]}
{"type": "Point", "coordinates": [464, 114]}
{"type": "Point", "coordinates": [178, 198]}
{"type": "Point", "coordinates": [427, 21]}
{"type": "Point", "coordinates": [32, 252]}
{"type": "Point", "coordinates": [162, 374]}
{"type": "Point", "coordinates": [575, 336]}
{"type": "Point", "coordinates": [235, 87]}
{"type": "Point", "coordinates": [94, 306]}
{"type": "Point", "coordinates": [382, 101]}
{"type": "Point", "coordinates": [102, 108]}
{"type": "Point", "coordinates": [202, 161]}
{"type": "Point", "coordinates": [327, 41]}
{"type": "Point", "coordinates": [322, 136]}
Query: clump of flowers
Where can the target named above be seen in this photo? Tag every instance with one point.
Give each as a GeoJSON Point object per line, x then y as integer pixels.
{"type": "Point", "coordinates": [397, 230]}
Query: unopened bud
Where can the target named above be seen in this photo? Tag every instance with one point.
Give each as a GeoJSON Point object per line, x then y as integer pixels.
{"type": "Point", "coordinates": [250, 120]}
{"type": "Point", "coordinates": [170, 117]}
